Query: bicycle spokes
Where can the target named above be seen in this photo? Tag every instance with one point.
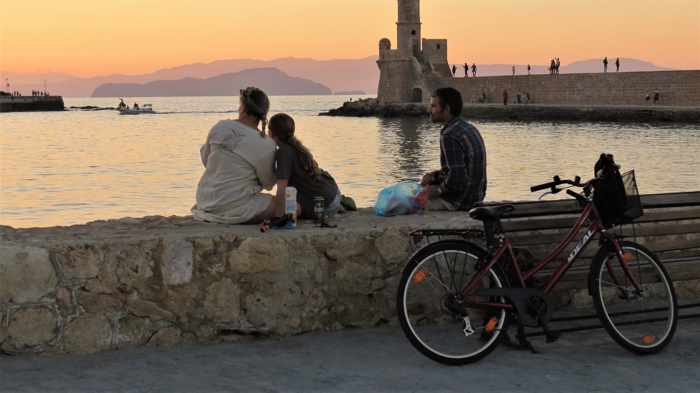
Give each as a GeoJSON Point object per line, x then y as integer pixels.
{"type": "Point", "coordinates": [440, 315]}
{"type": "Point", "coordinates": [636, 298]}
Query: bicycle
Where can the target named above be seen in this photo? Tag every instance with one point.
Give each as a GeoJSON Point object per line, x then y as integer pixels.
{"type": "Point", "coordinates": [456, 300]}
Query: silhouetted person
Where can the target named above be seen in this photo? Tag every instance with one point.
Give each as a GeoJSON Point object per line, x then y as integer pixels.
{"type": "Point", "coordinates": [513, 70]}
{"type": "Point", "coordinates": [528, 69]}
{"type": "Point", "coordinates": [617, 65]}
{"type": "Point", "coordinates": [557, 64]}
{"type": "Point", "coordinates": [657, 97]}
{"type": "Point", "coordinates": [505, 97]}
{"type": "Point", "coordinates": [474, 70]}
{"type": "Point", "coordinates": [454, 70]}
{"type": "Point", "coordinates": [552, 65]}
{"type": "Point", "coordinates": [466, 70]}
{"type": "Point", "coordinates": [605, 64]}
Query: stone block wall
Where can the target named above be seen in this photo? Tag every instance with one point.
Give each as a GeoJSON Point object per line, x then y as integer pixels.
{"type": "Point", "coordinates": [162, 281]}
{"type": "Point", "coordinates": [120, 285]}
{"type": "Point", "coordinates": [675, 88]}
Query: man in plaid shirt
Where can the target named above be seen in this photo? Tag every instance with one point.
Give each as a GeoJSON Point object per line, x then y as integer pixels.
{"type": "Point", "coordinates": [461, 182]}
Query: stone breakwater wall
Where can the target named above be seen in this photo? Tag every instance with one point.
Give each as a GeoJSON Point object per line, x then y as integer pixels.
{"type": "Point", "coordinates": [530, 112]}
{"type": "Point", "coordinates": [31, 103]}
{"type": "Point", "coordinates": [674, 88]}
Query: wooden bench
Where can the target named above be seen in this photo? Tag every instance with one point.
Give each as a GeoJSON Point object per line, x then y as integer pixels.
{"type": "Point", "coordinates": [670, 227]}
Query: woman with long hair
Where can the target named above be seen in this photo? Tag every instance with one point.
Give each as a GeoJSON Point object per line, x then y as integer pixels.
{"type": "Point", "coordinates": [238, 160]}
{"type": "Point", "coordinates": [296, 167]}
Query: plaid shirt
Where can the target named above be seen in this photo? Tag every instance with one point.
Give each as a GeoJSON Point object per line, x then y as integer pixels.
{"type": "Point", "coordinates": [462, 179]}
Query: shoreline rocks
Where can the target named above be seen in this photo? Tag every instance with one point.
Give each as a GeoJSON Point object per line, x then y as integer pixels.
{"type": "Point", "coordinates": [371, 107]}
{"type": "Point", "coordinates": [529, 112]}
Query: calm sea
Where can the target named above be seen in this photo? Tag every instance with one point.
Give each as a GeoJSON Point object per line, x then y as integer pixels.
{"type": "Point", "coordinates": [61, 168]}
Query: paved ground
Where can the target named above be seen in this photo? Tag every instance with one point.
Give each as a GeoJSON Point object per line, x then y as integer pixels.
{"type": "Point", "coordinates": [379, 360]}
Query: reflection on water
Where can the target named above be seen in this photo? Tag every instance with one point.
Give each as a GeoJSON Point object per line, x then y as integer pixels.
{"type": "Point", "coordinates": [409, 147]}
{"type": "Point", "coordinates": [60, 168]}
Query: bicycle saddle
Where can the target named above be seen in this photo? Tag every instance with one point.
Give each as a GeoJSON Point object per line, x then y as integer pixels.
{"type": "Point", "coordinates": [490, 213]}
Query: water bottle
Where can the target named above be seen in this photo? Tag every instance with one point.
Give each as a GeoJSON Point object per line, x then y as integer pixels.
{"type": "Point", "coordinates": [290, 206]}
{"type": "Point", "coordinates": [319, 209]}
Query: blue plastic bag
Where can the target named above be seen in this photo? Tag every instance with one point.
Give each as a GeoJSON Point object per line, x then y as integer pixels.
{"type": "Point", "coordinates": [399, 199]}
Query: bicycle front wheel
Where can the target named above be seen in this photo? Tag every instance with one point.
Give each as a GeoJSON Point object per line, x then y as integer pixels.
{"type": "Point", "coordinates": [434, 312]}
{"type": "Point", "coordinates": [635, 298]}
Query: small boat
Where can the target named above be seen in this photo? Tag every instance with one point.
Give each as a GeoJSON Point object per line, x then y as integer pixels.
{"type": "Point", "coordinates": [136, 110]}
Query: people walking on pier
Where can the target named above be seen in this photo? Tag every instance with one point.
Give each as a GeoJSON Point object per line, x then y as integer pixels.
{"type": "Point", "coordinates": [528, 69]}
{"type": "Point", "coordinates": [454, 70]}
{"type": "Point", "coordinates": [605, 64]}
{"type": "Point", "coordinates": [552, 66]}
{"type": "Point", "coordinates": [617, 65]}
{"type": "Point", "coordinates": [461, 181]}
{"type": "Point", "coordinates": [474, 70]}
{"type": "Point", "coordinates": [557, 64]}
{"type": "Point", "coordinates": [466, 70]}
{"type": "Point", "coordinates": [513, 70]}
{"type": "Point", "coordinates": [238, 159]}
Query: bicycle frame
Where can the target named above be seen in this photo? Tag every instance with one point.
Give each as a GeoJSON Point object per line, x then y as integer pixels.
{"type": "Point", "coordinates": [589, 213]}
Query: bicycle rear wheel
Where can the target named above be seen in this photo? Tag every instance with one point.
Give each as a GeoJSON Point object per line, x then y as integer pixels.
{"type": "Point", "coordinates": [433, 310]}
{"type": "Point", "coordinates": [635, 298]}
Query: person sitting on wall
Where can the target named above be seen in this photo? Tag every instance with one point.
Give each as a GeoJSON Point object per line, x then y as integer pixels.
{"type": "Point", "coordinates": [296, 167]}
{"type": "Point", "coordinates": [461, 182]}
{"type": "Point", "coordinates": [238, 159]}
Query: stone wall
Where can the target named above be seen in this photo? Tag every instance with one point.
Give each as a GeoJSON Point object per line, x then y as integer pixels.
{"type": "Point", "coordinates": [162, 281]}
{"type": "Point", "coordinates": [157, 280]}
{"type": "Point", "coordinates": [675, 88]}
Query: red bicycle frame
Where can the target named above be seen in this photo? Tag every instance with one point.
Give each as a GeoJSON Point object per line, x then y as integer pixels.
{"type": "Point", "coordinates": [595, 227]}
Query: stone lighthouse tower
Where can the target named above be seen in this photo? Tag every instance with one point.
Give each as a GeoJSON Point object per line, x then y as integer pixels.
{"type": "Point", "coordinates": [399, 68]}
{"type": "Point", "coordinates": [408, 28]}
{"type": "Point", "coordinates": [409, 72]}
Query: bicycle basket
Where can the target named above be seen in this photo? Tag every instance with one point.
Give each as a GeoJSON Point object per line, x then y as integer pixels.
{"type": "Point", "coordinates": [634, 208]}
{"type": "Point", "coordinates": [617, 199]}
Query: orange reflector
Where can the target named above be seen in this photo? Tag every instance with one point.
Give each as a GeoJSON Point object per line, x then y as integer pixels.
{"type": "Point", "coordinates": [491, 325]}
{"type": "Point", "coordinates": [648, 340]}
{"type": "Point", "coordinates": [420, 277]}
{"type": "Point", "coordinates": [628, 257]}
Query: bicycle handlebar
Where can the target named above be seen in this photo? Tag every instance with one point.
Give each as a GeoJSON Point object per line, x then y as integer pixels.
{"type": "Point", "coordinates": [557, 181]}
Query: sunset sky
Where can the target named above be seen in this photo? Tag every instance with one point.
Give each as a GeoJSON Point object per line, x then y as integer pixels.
{"type": "Point", "coordinates": [89, 38]}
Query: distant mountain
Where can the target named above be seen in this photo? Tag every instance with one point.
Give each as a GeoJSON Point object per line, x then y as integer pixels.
{"type": "Point", "coordinates": [338, 75]}
{"type": "Point", "coordinates": [578, 67]}
{"type": "Point", "coordinates": [596, 65]}
{"type": "Point", "coordinates": [271, 80]}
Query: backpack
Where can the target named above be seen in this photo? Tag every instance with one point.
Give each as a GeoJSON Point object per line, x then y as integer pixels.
{"type": "Point", "coordinates": [610, 196]}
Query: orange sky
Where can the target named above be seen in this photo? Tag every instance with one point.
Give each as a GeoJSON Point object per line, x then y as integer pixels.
{"type": "Point", "coordinates": [89, 37]}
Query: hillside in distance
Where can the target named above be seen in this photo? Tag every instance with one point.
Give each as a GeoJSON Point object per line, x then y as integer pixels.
{"type": "Point", "coordinates": [340, 75]}
{"type": "Point", "coordinates": [271, 80]}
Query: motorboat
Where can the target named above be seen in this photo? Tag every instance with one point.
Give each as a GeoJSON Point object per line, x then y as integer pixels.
{"type": "Point", "coordinates": [137, 110]}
